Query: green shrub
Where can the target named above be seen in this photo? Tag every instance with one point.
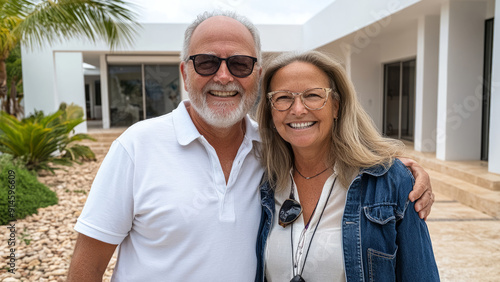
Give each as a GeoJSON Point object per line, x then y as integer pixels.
{"type": "Point", "coordinates": [29, 193]}
{"type": "Point", "coordinates": [40, 141]}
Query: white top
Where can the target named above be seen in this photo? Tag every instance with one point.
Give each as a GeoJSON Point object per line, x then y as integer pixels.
{"type": "Point", "coordinates": [161, 194]}
{"type": "Point", "coordinates": [325, 259]}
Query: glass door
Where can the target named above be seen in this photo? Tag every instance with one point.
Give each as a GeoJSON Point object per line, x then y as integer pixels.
{"type": "Point", "coordinates": [392, 83]}
{"type": "Point", "coordinates": [125, 95]}
{"type": "Point", "coordinates": [138, 92]}
{"type": "Point", "coordinates": [399, 100]}
{"type": "Point", "coordinates": [162, 89]}
{"type": "Point", "coordinates": [408, 100]}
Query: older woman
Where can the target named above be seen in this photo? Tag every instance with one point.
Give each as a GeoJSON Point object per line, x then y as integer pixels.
{"type": "Point", "coordinates": [341, 194]}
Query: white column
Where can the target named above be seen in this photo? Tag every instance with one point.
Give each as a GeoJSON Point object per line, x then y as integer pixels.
{"type": "Point", "coordinates": [461, 48]}
{"type": "Point", "coordinates": [494, 148]}
{"type": "Point", "coordinates": [427, 83]}
{"type": "Point", "coordinates": [38, 81]}
{"type": "Point", "coordinates": [103, 66]}
{"type": "Point", "coordinates": [69, 82]}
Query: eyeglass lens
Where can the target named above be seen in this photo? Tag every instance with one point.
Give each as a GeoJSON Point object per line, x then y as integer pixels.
{"type": "Point", "coordinates": [289, 212]}
{"type": "Point", "coordinates": [238, 65]}
{"type": "Point", "coordinates": [313, 99]}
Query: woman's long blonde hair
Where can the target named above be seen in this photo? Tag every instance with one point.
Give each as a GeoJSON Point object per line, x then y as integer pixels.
{"type": "Point", "coordinates": [355, 141]}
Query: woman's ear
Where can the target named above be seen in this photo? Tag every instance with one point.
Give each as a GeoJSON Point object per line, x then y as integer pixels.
{"type": "Point", "coordinates": [336, 107]}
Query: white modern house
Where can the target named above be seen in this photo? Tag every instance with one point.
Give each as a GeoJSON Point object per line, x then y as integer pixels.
{"type": "Point", "coordinates": [427, 71]}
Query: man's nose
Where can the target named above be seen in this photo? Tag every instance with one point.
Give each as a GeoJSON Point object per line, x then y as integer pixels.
{"type": "Point", "coordinates": [223, 75]}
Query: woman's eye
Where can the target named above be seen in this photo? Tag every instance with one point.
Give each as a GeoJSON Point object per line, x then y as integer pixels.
{"type": "Point", "coordinates": [284, 98]}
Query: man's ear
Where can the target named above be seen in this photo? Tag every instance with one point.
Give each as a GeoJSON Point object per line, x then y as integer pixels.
{"type": "Point", "coordinates": [183, 68]}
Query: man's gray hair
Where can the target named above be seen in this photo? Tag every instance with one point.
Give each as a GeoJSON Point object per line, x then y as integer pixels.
{"type": "Point", "coordinates": [206, 15]}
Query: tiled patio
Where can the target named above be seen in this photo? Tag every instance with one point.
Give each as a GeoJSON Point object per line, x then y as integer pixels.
{"type": "Point", "coordinates": [466, 242]}
{"type": "Point", "coordinates": [465, 220]}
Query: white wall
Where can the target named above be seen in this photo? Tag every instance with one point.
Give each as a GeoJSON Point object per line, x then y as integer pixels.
{"type": "Point", "coordinates": [367, 78]}
{"type": "Point", "coordinates": [490, 9]}
{"type": "Point", "coordinates": [494, 148]}
{"type": "Point", "coordinates": [344, 17]}
{"type": "Point", "coordinates": [399, 46]}
{"type": "Point", "coordinates": [280, 38]}
{"type": "Point", "coordinates": [38, 82]}
{"type": "Point", "coordinates": [70, 86]}
{"type": "Point", "coordinates": [460, 70]}
{"type": "Point", "coordinates": [150, 38]}
{"type": "Point", "coordinates": [427, 84]}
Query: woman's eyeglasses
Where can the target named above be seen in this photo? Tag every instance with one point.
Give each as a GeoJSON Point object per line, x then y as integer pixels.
{"type": "Point", "coordinates": [313, 99]}
{"type": "Point", "coordinates": [238, 65]}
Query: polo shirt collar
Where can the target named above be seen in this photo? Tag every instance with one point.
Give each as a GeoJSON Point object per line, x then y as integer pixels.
{"type": "Point", "coordinates": [186, 131]}
{"type": "Point", "coordinates": [252, 129]}
{"type": "Point", "coordinates": [184, 128]}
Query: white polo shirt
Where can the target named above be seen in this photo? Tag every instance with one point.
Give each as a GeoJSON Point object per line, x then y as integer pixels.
{"type": "Point", "coordinates": [161, 194]}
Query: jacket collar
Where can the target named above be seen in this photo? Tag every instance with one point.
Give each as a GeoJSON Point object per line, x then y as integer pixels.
{"type": "Point", "coordinates": [266, 192]}
{"type": "Point", "coordinates": [377, 170]}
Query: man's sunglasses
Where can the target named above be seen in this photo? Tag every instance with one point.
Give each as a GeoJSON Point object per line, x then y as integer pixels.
{"type": "Point", "coordinates": [238, 65]}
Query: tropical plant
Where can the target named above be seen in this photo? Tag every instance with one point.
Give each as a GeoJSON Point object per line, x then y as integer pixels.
{"type": "Point", "coordinates": [21, 194]}
{"type": "Point", "coordinates": [43, 142]}
{"type": "Point", "coordinates": [37, 23]}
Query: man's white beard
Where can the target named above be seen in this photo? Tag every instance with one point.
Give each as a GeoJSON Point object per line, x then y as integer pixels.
{"type": "Point", "coordinates": [221, 117]}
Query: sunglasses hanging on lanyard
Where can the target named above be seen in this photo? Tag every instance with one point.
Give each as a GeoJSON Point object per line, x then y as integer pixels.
{"type": "Point", "coordinates": [289, 212]}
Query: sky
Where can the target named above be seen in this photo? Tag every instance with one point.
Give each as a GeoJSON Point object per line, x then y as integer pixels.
{"type": "Point", "coordinates": [258, 11]}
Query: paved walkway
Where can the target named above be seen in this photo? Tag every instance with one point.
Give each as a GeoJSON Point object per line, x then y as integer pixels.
{"type": "Point", "coordinates": [466, 242]}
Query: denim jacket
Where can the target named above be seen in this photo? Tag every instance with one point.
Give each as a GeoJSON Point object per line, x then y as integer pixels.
{"type": "Point", "coordinates": [382, 235]}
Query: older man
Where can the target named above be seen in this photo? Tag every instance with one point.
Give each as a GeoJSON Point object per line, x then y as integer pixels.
{"type": "Point", "coordinates": [178, 193]}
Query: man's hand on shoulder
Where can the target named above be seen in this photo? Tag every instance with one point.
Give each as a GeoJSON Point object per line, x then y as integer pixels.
{"type": "Point", "coordinates": [422, 190]}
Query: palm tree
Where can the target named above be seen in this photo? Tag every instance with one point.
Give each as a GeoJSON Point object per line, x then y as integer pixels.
{"type": "Point", "coordinates": [35, 23]}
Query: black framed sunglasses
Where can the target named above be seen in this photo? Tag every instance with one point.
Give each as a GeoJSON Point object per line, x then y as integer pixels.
{"type": "Point", "coordinates": [290, 209]}
{"type": "Point", "coordinates": [289, 212]}
{"type": "Point", "coordinates": [238, 65]}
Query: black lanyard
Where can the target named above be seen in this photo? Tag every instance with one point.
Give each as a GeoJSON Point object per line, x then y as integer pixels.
{"type": "Point", "coordinates": [298, 277]}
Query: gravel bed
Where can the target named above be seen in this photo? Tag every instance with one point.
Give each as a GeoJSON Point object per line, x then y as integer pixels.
{"type": "Point", "coordinates": [45, 241]}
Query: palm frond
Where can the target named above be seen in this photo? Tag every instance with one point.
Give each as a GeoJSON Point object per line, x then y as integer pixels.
{"type": "Point", "coordinates": [16, 8]}
{"type": "Point", "coordinates": [8, 40]}
{"type": "Point", "coordinates": [53, 21]}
